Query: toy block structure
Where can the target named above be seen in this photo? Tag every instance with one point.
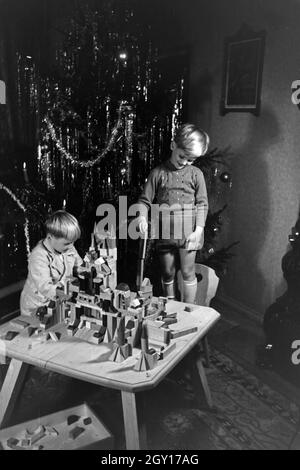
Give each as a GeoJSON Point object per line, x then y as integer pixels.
{"type": "Point", "coordinates": [96, 309]}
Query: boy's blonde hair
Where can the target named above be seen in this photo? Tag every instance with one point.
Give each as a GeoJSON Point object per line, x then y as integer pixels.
{"type": "Point", "coordinates": [187, 134]}
{"type": "Point", "coordinates": [61, 224]}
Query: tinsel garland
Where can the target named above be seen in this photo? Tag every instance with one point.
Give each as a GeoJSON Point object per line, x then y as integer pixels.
{"type": "Point", "coordinates": [86, 164]}
{"type": "Point", "coordinates": [23, 208]}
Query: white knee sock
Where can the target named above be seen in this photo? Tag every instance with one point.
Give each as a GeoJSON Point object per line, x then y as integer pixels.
{"type": "Point", "coordinates": [189, 291]}
{"type": "Point", "coordinates": [168, 288]}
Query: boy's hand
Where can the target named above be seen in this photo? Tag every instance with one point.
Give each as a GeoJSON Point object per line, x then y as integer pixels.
{"type": "Point", "coordinates": [143, 224]}
{"type": "Point", "coordinates": [193, 240]}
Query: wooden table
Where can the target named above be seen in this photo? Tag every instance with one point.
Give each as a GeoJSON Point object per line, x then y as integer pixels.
{"type": "Point", "coordinates": [85, 361]}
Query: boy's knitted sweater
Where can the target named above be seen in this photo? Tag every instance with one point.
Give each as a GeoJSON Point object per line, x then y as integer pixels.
{"type": "Point", "coordinates": [183, 187]}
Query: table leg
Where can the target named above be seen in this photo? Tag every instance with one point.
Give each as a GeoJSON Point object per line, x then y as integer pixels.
{"type": "Point", "coordinates": [135, 430]}
{"type": "Point", "coordinates": [206, 351]}
{"type": "Point", "coordinates": [3, 370]}
{"type": "Point", "coordinates": [11, 387]}
{"type": "Point", "coordinates": [199, 375]}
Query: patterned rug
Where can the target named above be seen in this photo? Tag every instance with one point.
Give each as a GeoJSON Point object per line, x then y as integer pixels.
{"type": "Point", "coordinates": [247, 414]}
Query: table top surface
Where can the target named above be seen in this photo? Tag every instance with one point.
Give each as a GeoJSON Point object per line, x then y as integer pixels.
{"type": "Point", "coordinates": [80, 359]}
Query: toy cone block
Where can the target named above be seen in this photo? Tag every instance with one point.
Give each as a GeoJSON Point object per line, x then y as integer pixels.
{"type": "Point", "coordinates": [144, 338]}
{"type": "Point", "coordinates": [120, 353]}
{"type": "Point", "coordinates": [141, 364]}
{"type": "Point", "coordinates": [121, 332]}
{"type": "Point", "coordinates": [111, 327]}
{"type": "Point", "coordinates": [152, 359]}
{"type": "Point", "coordinates": [136, 333]}
{"type": "Point", "coordinates": [146, 361]}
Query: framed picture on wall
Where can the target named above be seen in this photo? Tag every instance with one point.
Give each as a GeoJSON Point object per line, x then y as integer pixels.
{"type": "Point", "coordinates": [242, 71]}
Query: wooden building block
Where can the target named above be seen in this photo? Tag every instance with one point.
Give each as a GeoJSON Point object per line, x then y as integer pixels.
{"type": "Point", "coordinates": [120, 353]}
{"type": "Point", "coordinates": [183, 332]}
{"type": "Point", "coordinates": [87, 421]}
{"type": "Point", "coordinates": [55, 335]}
{"type": "Point", "coordinates": [190, 308]}
{"type": "Point", "coordinates": [25, 442]}
{"type": "Point", "coordinates": [12, 442]}
{"type": "Point", "coordinates": [36, 435]}
{"type": "Point", "coordinates": [155, 323]}
{"type": "Point", "coordinates": [46, 321]}
{"type": "Point", "coordinates": [30, 331]}
{"type": "Point", "coordinates": [166, 351]}
{"type": "Point", "coordinates": [105, 269]}
{"type": "Point", "coordinates": [71, 330]}
{"type": "Point", "coordinates": [171, 315]}
{"type": "Point", "coordinates": [19, 323]}
{"type": "Point", "coordinates": [10, 335]}
{"type": "Point", "coordinates": [50, 431]}
{"type": "Point", "coordinates": [158, 346]}
{"type": "Point", "coordinates": [135, 303]}
{"type": "Point", "coordinates": [110, 328]}
{"type": "Point", "coordinates": [146, 361]}
{"type": "Point", "coordinates": [169, 321]}
{"type": "Point", "coordinates": [74, 433]}
{"type": "Point", "coordinates": [96, 338]}
{"type": "Point", "coordinates": [71, 419]}
{"type": "Point", "coordinates": [159, 334]}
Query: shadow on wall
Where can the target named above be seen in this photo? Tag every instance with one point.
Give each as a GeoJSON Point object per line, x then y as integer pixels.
{"type": "Point", "coordinates": [250, 209]}
{"type": "Point", "coordinates": [201, 92]}
{"type": "Point", "coordinates": [282, 285]}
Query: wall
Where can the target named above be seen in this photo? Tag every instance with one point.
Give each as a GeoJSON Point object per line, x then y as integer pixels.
{"type": "Point", "coordinates": [264, 200]}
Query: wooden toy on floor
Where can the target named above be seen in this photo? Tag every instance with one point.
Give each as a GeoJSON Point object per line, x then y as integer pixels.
{"type": "Point", "coordinates": [75, 432]}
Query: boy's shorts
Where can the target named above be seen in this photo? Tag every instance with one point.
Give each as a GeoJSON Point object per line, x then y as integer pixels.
{"type": "Point", "coordinates": [181, 226]}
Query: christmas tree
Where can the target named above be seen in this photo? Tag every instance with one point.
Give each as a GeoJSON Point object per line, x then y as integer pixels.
{"type": "Point", "coordinates": [101, 110]}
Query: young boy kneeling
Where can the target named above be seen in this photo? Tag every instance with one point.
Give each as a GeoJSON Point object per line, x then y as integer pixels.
{"type": "Point", "coordinates": [50, 262]}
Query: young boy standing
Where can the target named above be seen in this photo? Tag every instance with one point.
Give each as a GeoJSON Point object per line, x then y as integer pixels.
{"type": "Point", "coordinates": [179, 189]}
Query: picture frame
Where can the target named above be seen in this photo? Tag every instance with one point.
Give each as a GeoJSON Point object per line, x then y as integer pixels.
{"type": "Point", "coordinates": [242, 71]}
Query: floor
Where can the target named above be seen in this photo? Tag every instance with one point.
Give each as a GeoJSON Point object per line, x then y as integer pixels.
{"type": "Point", "coordinates": [241, 338]}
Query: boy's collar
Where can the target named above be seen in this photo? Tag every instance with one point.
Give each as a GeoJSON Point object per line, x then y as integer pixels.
{"type": "Point", "coordinates": [51, 250]}
{"type": "Point", "coordinates": [49, 247]}
{"type": "Point", "coordinates": [172, 167]}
